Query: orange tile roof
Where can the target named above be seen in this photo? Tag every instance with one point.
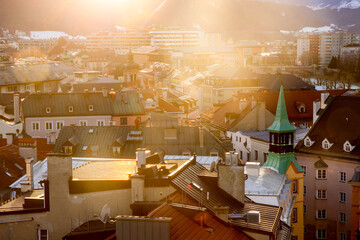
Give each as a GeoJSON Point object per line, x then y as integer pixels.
{"type": "Point", "coordinates": [188, 226]}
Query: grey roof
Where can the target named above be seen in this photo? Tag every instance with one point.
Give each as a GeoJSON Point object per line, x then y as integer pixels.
{"type": "Point", "coordinates": [34, 73]}
{"type": "Point", "coordinates": [153, 138]}
{"type": "Point", "coordinates": [35, 105]}
{"type": "Point", "coordinates": [272, 82]}
{"type": "Point", "coordinates": [268, 182]}
{"type": "Point", "coordinates": [40, 172]}
{"type": "Point", "coordinates": [264, 135]}
{"type": "Point", "coordinates": [203, 160]}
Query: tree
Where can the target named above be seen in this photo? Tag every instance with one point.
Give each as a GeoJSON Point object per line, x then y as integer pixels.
{"type": "Point", "coordinates": [333, 63]}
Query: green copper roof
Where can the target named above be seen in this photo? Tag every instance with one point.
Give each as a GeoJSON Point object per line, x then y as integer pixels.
{"type": "Point", "coordinates": [281, 122]}
{"type": "Point", "coordinates": [281, 162]}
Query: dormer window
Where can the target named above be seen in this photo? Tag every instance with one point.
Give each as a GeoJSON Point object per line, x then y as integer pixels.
{"type": "Point", "coordinates": [308, 142]}
{"type": "Point", "coordinates": [348, 147]}
{"type": "Point", "coordinates": [71, 109]}
{"type": "Point", "coordinates": [48, 109]}
{"type": "Point", "coordinates": [326, 144]}
{"type": "Point", "coordinates": [116, 150]}
{"type": "Point", "coordinates": [91, 108]}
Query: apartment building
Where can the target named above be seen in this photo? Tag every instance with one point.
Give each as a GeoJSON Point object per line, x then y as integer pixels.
{"type": "Point", "coordinates": [329, 154]}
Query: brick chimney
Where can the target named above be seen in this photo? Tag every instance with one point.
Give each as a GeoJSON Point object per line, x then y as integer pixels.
{"type": "Point", "coordinates": [231, 177]}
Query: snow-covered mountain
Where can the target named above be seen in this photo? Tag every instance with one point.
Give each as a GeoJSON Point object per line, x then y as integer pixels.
{"type": "Point", "coordinates": [320, 4]}
{"type": "Point", "coordinates": [334, 4]}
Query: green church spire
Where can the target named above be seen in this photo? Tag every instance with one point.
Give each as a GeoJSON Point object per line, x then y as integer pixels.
{"type": "Point", "coordinates": [281, 122]}
{"type": "Point", "coordinates": [281, 149]}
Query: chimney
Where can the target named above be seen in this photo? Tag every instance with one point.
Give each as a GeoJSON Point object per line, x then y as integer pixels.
{"type": "Point", "coordinates": [29, 184]}
{"type": "Point", "coordinates": [201, 137]}
{"type": "Point", "coordinates": [222, 213]}
{"type": "Point", "coordinates": [141, 155]}
{"type": "Point", "coordinates": [52, 137]}
{"type": "Point", "coordinates": [16, 107]}
{"type": "Point", "coordinates": [253, 217]}
{"type": "Point", "coordinates": [137, 188]}
{"type": "Point", "coordinates": [231, 177]}
{"type": "Point", "coordinates": [59, 174]}
{"type": "Point", "coordinates": [260, 114]}
{"type": "Point", "coordinates": [316, 107]}
{"type": "Point", "coordinates": [28, 149]}
{"type": "Point", "coordinates": [104, 92]}
{"type": "Point", "coordinates": [252, 168]}
{"type": "Point", "coordinates": [324, 96]}
{"type": "Point", "coordinates": [9, 138]}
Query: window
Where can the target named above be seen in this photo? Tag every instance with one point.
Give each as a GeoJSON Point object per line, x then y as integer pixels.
{"type": "Point", "coordinates": [304, 168]}
{"type": "Point", "coordinates": [295, 185]}
{"type": "Point", "coordinates": [214, 154]}
{"type": "Point", "coordinates": [116, 150]}
{"type": "Point", "coordinates": [67, 149]}
{"type": "Point", "coordinates": [348, 147]}
{"type": "Point", "coordinates": [123, 121]}
{"type": "Point", "coordinates": [27, 87]}
{"type": "Point", "coordinates": [342, 197]}
{"type": "Point", "coordinates": [241, 155]}
{"type": "Point", "coordinates": [304, 209]}
{"type": "Point", "coordinates": [265, 157]}
{"type": "Point", "coordinates": [321, 174]}
{"type": "Point", "coordinates": [342, 236]}
{"type": "Point", "coordinates": [256, 155]}
{"type": "Point", "coordinates": [304, 190]}
{"type": "Point", "coordinates": [321, 234]}
{"type": "Point", "coordinates": [320, 214]}
{"type": "Point", "coordinates": [342, 176]}
{"type": "Point", "coordinates": [342, 217]}
{"type": "Point", "coordinates": [237, 138]}
{"type": "Point", "coordinates": [91, 108]}
{"type": "Point", "coordinates": [48, 109]}
{"type": "Point", "coordinates": [321, 194]}
{"type": "Point", "coordinates": [100, 123]}
{"type": "Point", "coordinates": [71, 109]}
{"type": "Point", "coordinates": [36, 126]}
{"type": "Point", "coordinates": [294, 215]}
{"type": "Point", "coordinates": [83, 123]}
{"type": "Point", "coordinates": [308, 142]}
{"type": "Point", "coordinates": [248, 157]}
{"type": "Point", "coordinates": [42, 234]}
{"type": "Point", "coordinates": [48, 125]}
{"type": "Point", "coordinates": [59, 125]}
{"type": "Point", "coordinates": [326, 144]}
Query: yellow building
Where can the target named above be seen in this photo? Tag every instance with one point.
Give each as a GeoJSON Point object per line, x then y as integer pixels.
{"type": "Point", "coordinates": [282, 159]}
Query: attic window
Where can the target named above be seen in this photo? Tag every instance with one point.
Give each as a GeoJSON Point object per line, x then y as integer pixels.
{"type": "Point", "coordinates": [348, 147]}
{"type": "Point", "coordinates": [48, 109]}
{"type": "Point", "coordinates": [71, 108]}
{"type": "Point", "coordinates": [326, 144]}
{"type": "Point", "coordinates": [84, 148]}
{"type": "Point", "coordinates": [91, 108]}
{"type": "Point", "coordinates": [116, 150]}
{"type": "Point", "coordinates": [308, 142]}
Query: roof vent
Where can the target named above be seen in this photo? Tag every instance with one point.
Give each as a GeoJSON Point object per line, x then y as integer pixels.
{"type": "Point", "coordinates": [253, 217]}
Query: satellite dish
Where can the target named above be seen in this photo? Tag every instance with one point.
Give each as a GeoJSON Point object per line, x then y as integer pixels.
{"type": "Point", "coordinates": [105, 212]}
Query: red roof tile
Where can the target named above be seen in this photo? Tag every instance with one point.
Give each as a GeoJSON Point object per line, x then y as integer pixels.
{"type": "Point", "coordinates": [186, 224]}
{"type": "Point", "coordinates": [12, 165]}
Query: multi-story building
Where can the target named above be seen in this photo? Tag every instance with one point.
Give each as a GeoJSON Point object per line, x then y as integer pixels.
{"type": "Point", "coordinates": [329, 154]}
{"type": "Point", "coordinates": [46, 114]}
{"type": "Point", "coordinates": [176, 38]}
{"type": "Point", "coordinates": [303, 49]}
{"type": "Point", "coordinates": [119, 40]}
{"type": "Point", "coordinates": [323, 47]}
